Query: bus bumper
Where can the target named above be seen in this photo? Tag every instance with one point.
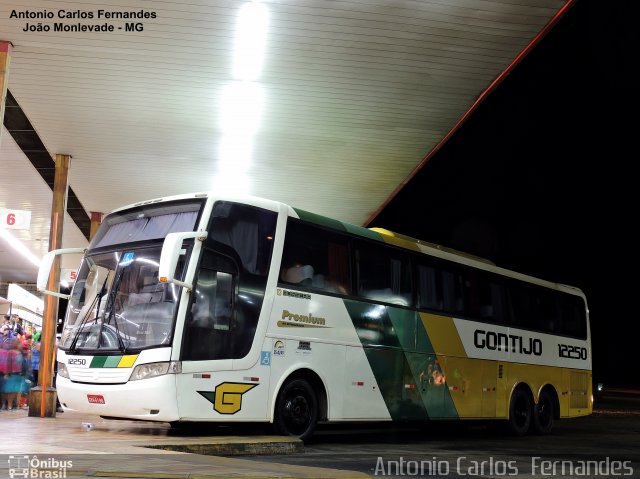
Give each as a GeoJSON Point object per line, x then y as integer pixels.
{"type": "Point", "coordinates": [152, 399]}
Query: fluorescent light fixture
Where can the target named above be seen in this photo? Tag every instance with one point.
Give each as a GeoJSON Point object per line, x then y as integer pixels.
{"type": "Point", "coordinates": [233, 184]}
{"type": "Point", "coordinates": [240, 113]}
{"type": "Point", "coordinates": [235, 153]}
{"type": "Point", "coordinates": [241, 108]}
{"type": "Point", "coordinates": [242, 101]}
{"type": "Point", "coordinates": [250, 41]}
{"type": "Point", "coordinates": [16, 244]}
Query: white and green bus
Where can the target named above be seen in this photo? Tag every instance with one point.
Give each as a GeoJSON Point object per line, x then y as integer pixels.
{"type": "Point", "coordinates": [199, 308]}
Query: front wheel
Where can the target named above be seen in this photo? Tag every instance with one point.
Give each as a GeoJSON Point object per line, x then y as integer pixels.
{"type": "Point", "coordinates": [543, 414]}
{"type": "Point", "coordinates": [520, 413]}
{"type": "Point", "coordinates": [296, 411]}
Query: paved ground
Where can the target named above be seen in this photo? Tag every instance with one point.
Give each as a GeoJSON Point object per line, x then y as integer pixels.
{"type": "Point", "coordinates": [481, 450]}
{"type": "Point", "coordinates": [62, 447]}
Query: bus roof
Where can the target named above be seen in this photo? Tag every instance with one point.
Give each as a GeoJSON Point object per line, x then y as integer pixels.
{"type": "Point", "coordinates": [377, 234]}
{"type": "Point", "coordinates": [420, 246]}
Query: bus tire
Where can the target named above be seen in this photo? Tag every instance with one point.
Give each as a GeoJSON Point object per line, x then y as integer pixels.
{"type": "Point", "coordinates": [296, 412]}
{"type": "Point", "coordinates": [520, 412]}
{"type": "Point", "coordinates": [543, 414]}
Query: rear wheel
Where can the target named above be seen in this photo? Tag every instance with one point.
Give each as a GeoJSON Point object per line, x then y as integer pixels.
{"type": "Point", "coordinates": [543, 414]}
{"type": "Point", "coordinates": [520, 412]}
{"type": "Point", "coordinates": [296, 411]}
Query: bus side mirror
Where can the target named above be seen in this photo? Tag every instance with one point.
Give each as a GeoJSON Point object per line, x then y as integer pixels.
{"type": "Point", "coordinates": [45, 270]}
{"type": "Point", "coordinates": [171, 251]}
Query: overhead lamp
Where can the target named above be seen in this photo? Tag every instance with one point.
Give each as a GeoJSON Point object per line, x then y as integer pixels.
{"type": "Point", "coordinates": [17, 245]}
{"type": "Point", "coordinates": [241, 108]}
{"type": "Point", "coordinates": [250, 41]}
{"type": "Point", "coordinates": [233, 184]}
{"type": "Point", "coordinates": [235, 153]}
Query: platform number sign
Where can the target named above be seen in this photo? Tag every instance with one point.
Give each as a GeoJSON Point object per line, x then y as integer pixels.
{"type": "Point", "coordinates": [69, 275]}
{"type": "Point", "coordinates": [15, 219]}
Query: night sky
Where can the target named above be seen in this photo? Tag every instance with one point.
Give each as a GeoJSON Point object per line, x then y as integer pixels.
{"type": "Point", "coordinates": [540, 178]}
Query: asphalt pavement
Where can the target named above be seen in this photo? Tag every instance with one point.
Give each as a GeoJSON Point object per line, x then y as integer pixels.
{"type": "Point", "coordinates": [606, 444]}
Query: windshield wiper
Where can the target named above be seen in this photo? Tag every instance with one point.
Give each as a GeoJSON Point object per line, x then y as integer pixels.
{"type": "Point", "coordinates": [111, 307]}
{"type": "Point", "coordinates": [97, 300]}
{"type": "Point", "coordinates": [121, 345]}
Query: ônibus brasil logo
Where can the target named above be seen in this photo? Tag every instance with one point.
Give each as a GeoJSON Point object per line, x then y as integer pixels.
{"type": "Point", "coordinates": [50, 467]}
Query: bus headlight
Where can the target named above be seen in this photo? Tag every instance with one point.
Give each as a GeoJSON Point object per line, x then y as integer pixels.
{"type": "Point", "coordinates": [151, 370]}
{"type": "Point", "coordinates": [62, 370]}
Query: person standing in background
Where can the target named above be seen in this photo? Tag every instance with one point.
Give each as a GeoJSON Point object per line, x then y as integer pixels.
{"type": "Point", "coordinates": [5, 345]}
{"type": "Point", "coordinates": [13, 367]}
{"type": "Point", "coordinates": [6, 323]}
{"type": "Point", "coordinates": [35, 358]}
{"type": "Point", "coordinates": [18, 329]}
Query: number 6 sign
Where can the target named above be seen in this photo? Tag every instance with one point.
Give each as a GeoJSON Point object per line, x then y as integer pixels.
{"type": "Point", "coordinates": [15, 219]}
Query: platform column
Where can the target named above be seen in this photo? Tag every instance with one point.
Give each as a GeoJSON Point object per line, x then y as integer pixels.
{"type": "Point", "coordinates": [96, 221]}
{"type": "Point", "coordinates": [44, 395]}
{"type": "Point", "coordinates": [5, 59]}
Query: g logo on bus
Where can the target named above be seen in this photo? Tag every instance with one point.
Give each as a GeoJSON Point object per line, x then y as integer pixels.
{"type": "Point", "coordinates": [227, 397]}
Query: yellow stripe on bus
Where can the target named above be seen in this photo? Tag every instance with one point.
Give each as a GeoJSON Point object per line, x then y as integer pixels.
{"type": "Point", "coordinates": [127, 361]}
{"type": "Point", "coordinates": [443, 335]}
{"type": "Point", "coordinates": [481, 388]}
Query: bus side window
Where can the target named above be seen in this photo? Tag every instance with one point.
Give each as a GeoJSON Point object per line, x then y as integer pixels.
{"type": "Point", "coordinates": [298, 273]}
{"type": "Point", "coordinates": [452, 292]}
{"type": "Point", "coordinates": [547, 313]}
{"type": "Point", "coordinates": [484, 297]}
{"type": "Point", "coordinates": [383, 274]}
{"type": "Point", "coordinates": [429, 291]}
{"type": "Point", "coordinates": [315, 258]}
{"type": "Point", "coordinates": [572, 311]}
{"type": "Point", "coordinates": [498, 302]}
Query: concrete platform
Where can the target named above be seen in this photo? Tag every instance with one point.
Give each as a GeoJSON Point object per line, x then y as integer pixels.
{"type": "Point", "coordinates": [62, 447]}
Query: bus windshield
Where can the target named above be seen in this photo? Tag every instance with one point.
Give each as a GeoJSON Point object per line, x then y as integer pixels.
{"type": "Point", "coordinates": [118, 303]}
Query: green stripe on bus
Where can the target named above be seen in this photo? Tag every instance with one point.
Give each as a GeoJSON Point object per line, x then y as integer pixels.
{"type": "Point", "coordinates": [98, 361]}
{"type": "Point", "coordinates": [359, 230]}
{"type": "Point", "coordinates": [112, 361]}
{"type": "Point", "coordinates": [421, 358]}
{"type": "Point", "coordinates": [320, 220]}
{"type": "Point", "coordinates": [337, 225]}
{"type": "Point", "coordinates": [403, 361]}
{"type": "Point", "coordinates": [387, 360]}
{"type": "Point", "coordinates": [105, 361]}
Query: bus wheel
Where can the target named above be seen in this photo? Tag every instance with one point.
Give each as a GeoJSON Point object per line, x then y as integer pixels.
{"type": "Point", "coordinates": [296, 410]}
{"type": "Point", "coordinates": [520, 412]}
{"type": "Point", "coordinates": [543, 414]}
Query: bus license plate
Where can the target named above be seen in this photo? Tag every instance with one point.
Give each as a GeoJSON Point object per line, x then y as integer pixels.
{"type": "Point", "coordinates": [95, 398]}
